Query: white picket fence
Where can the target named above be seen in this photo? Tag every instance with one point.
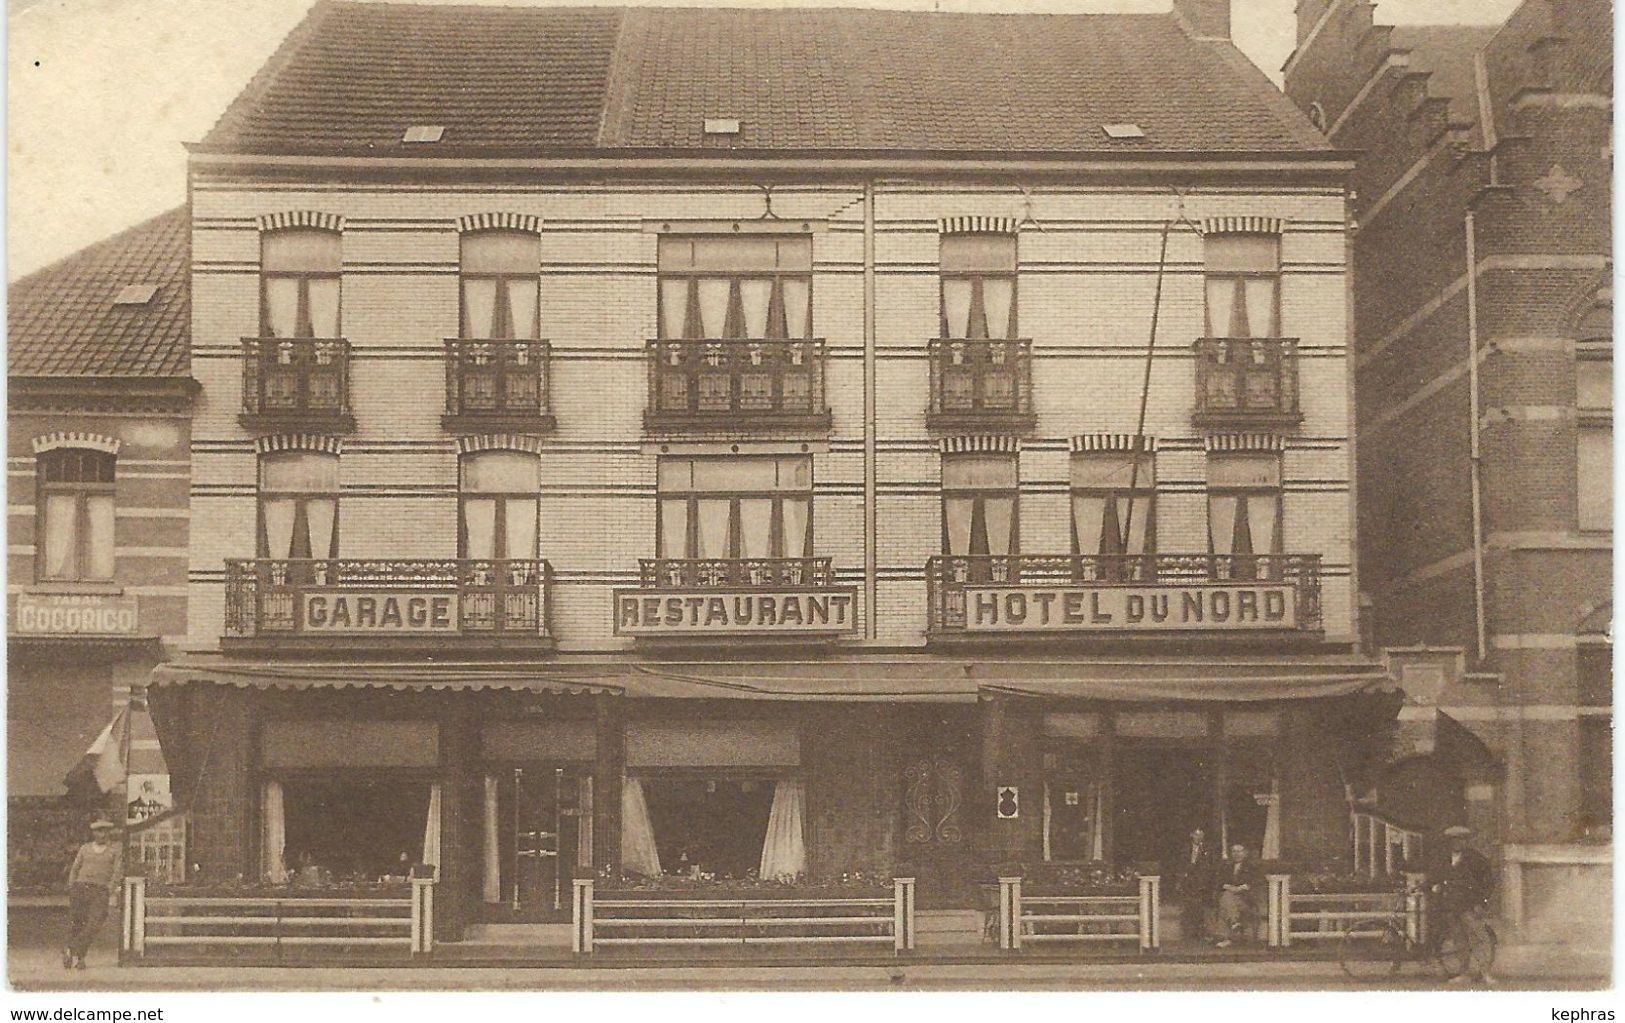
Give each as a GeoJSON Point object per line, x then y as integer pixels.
{"type": "Point", "coordinates": [1130, 918]}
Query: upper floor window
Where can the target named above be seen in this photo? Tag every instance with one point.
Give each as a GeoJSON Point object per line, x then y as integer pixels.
{"type": "Point", "coordinates": [741, 507]}
{"type": "Point", "coordinates": [299, 501]}
{"type": "Point", "coordinates": [299, 278]}
{"type": "Point", "coordinates": [1243, 285]}
{"type": "Point", "coordinates": [1113, 503]}
{"type": "Point", "coordinates": [978, 286]}
{"type": "Point", "coordinates": [1244, 506]}
{"type": "Point", "coordinates": [979, 504]}
{"type": "Point", "coordinates": [501, 285]}
{"type": "Point", "coordinates": [750, 286]}
{"type": "Point", "coordinates": [1594, 401]}
{"type": "Point", "coordinates": [499, 492]}
{"type": "Point", "coordinates": [75, 487]}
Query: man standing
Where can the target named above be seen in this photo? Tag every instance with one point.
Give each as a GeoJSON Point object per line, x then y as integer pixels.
{"type": "Point", "coordinates": [1239, 893]}
{"type": "Point", "coordinates": [92, 886]}
{"type": "Point", "coordinates": [1196, 881]}
{"type": "Point", "coordinates": [1464, 885]}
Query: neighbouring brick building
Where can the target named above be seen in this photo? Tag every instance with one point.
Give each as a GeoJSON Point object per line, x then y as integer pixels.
{"type": "Point", "coordinates": [1483, 347]}
{"type": "Point", "coordinates": [98, 454]}
{"type": "Point", "coordinates": [667, 439]}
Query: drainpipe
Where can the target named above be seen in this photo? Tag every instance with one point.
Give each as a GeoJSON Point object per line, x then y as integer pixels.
{"type": "Point", "coordinates": [1475, 453]}
{"type": "Point", "coordinates": [870, 551]}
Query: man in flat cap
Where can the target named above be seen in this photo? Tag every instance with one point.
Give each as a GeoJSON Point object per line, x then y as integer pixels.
{"type": "Point", "coordinates": [1464, 885]}
{"type": "Point", "coordinates": [93, 881]}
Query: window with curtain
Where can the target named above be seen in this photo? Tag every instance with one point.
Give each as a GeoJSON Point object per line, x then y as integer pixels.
{"type": "Point", "coordinates": [1244, 514]}
{"type": "Point", "coordinates": [501, 285]}
{"type": "Point", "coordinates": [1243, 285]}
{"type": "Point", "coordinates": [75, 532]}
{"type": "Point", "coordinates": [978, 286]}
{"type": "Point", "coordinates": [750, 286]}
{"type": "Point", "coordinates": [299, 279]}
{"type": "Point", "coordinates": [1594, 401]}
{"type": "Point", "coordinates": [979, 505]}
{"type": "Point", "coordinates": [299, 503]}
{"type": "Point", "coordinates": [1074, 803]}
{"type": "Point", "coordinates": [1113, 508]}
{"type": "Point", "coordinates": [499, 491]}
{"type": "Point", "coordinates": [745, 507]}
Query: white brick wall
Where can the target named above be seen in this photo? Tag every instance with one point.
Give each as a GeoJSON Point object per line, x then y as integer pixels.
{"type": "Point", "coordinates": [1085, 298]}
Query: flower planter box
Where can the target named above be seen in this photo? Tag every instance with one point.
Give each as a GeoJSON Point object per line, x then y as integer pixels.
{"type": "Point", "coordinates": [1080, 912]}
{"type": "Point", "coordinates": [1311, 908]}
{"type": "Point", "coordinates": [723, 914]}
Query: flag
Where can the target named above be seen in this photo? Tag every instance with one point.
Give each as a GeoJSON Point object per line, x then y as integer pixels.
{"type": "Point", "coordinates": [105, 764]}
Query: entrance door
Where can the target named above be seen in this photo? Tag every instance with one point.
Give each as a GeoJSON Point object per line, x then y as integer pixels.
{"type": "Point", "coordinates": [544, 817]}
{"type": "Point", "coordinates": [936, 837]}
{"type": "Point", "coordinates": [1162, 792]}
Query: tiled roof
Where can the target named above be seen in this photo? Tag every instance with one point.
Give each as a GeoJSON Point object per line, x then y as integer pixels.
{"type": "Point", "coordinates": [1447, 53]}
{"type": "Point", "coordinates": [354, 77]}
{"type": "Point", "coordinates": [62, 320]}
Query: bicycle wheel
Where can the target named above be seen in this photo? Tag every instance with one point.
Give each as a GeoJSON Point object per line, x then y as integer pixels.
{"type": "Point", "coordinates": [1372, 950]}
{"type": "Point", "coordinates": [1454, 949]}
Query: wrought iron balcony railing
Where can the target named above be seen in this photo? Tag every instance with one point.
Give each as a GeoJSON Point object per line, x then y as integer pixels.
{"type": "Point", "coordinates": [734, 573]}
{"type": "Point", "coordinates": [1247, 381]}
{"type": "Point", "coordinates": [739, 384]}
{"type": "Point", "coordinates": [386, 599]}
{"type": "Point", "coordinates": [492, 383]}
{"type": "Point", "coordinates": [1219, 590]}
{"type": "Point", "coordinates": [296, 383]}
{"type": "Point", "coordinates": [981, 384]}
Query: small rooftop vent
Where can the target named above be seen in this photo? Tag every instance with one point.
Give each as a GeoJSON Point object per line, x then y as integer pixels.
{"type": "Point", "coordinates": [722, 126]}
{"type": "Point", "coordinates": [1123, 131]}
{"type": "Point", "coordinates": [135, 294]}
{"type": "Point", "coordinates": [424, 133]}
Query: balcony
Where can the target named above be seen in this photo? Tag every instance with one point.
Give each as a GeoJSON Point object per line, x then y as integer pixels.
{"type": "Point", "coordinates": [1121, 595]}
{"type": "Point", "coordinates": [497, 385]}
{"type": "Point", "coordinates": [688, 598]}
{"type": "Point", "coordinates": [736, 386]}
{"type": "Point", "coordinates": [981, 385]}
{"type": "Point", "coordinates": [1247, 382]}
{"type": "Point", "coordinates": [345, 604]}
{"type": "Point", "coordinates": [296, 384]}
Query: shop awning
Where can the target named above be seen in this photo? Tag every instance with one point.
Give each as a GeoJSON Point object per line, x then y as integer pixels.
{"type": "Point", "coordinates": [902, 680]}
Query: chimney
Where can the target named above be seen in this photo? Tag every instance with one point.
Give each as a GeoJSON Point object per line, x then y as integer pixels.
{"type": "Point", "coordinates": [1204, 19]}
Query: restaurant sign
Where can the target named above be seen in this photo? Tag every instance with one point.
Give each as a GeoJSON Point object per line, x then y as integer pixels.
{"type": "Point", "coordinates": [727, 613]}
{"type": "Point", "coordinates": [1129, 608]}
{"type": "Point", "coordinates": [75, 614]}
{"type": "Point", "coordinates": [380, 611]}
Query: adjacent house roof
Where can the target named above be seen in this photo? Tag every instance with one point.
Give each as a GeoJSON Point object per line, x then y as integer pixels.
{"type": "Point", "coordinates": [354, 77]}
{"type": "Point", "coordinates": [68, 319]}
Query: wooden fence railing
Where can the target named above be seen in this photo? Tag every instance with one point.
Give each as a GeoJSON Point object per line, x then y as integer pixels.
{"type": "Point", "coordinates": [213, 923]}
{"type": "Point", "coordinates": [627, 922]}
{"type": "Point", "coordinates": [1130, 917]}
{"type": "Point", "coordinates": [1321, 916]}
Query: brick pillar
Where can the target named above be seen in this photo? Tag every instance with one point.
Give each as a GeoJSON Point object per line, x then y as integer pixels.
{"type": "Point", "coordinates": [1003, 841]}
{"type": "Point", "coordinates": [606, 782]}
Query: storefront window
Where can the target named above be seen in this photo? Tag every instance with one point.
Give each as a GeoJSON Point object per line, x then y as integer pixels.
{"type": "Point", "coordinates": [364, 829]}
{"type": "Point", "coordinates": [713, 825]}
{"type": "Point", "coordinates": [1074, 806]}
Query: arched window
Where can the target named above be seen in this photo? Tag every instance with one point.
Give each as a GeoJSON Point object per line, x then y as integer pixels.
{"type": "Point", "coordinates": [299, 280]}
{"type": "Point", "coordinates": [500, 281]}
{"type": "Point", "coordinates": [75, 515]}
{"type": "Point", "coordinates": [499, 505]}
{"type": "Point", "coordinates": [299, 503]}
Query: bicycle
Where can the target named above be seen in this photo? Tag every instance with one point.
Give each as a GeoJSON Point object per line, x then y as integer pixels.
{"type": "Point", "coordinates": [1372, 949]}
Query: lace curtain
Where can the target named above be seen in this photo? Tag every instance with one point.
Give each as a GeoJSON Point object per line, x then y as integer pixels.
{"type": "Point", "coordinates": [638, 852]}
{"type": "Point", "coordinates": [491, 881]}
{"type": "Point", "coordinates": [273, 852]}
{"type": "Point", "coordinates": [784, 851]}
{"type": "Point", "coordinates": [431, 829]}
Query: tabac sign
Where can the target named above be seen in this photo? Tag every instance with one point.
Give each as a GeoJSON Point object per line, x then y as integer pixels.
{"type": "Point", "coordinates": [74, 614]}
{"type": "Point", "coordinates": [710, 613]}
{"type": "Point", "coordinates": [1129, 608]}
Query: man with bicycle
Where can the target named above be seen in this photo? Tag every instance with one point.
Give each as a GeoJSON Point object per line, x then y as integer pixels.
{"type": "Point", "coordinates": [1462, 888]}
